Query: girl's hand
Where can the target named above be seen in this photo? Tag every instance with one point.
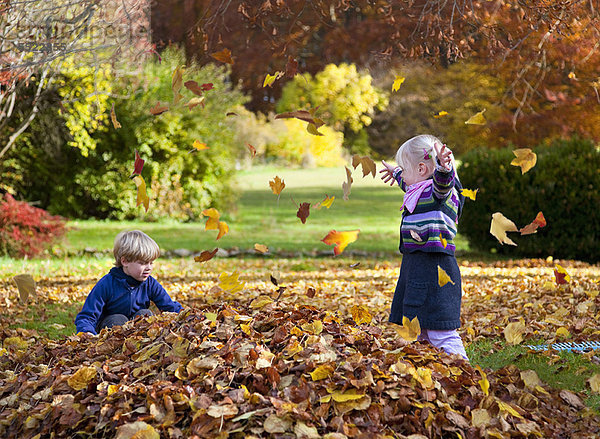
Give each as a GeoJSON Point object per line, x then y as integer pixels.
{"type": "Point", "coordinates": [444, 156]}
{"type": "Point", "coordinates": [388, 173]}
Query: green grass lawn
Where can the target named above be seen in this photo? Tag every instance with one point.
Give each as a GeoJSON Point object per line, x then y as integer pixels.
{"type": "Point", "coordinates": [373, 208]}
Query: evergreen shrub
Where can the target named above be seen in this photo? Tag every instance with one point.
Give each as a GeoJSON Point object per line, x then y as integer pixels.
{"type": "Point", "coordinates": [563, 185]}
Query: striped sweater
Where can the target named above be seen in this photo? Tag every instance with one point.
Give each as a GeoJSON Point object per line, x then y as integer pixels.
{"type": "Point", "coordinates": [435, 216]}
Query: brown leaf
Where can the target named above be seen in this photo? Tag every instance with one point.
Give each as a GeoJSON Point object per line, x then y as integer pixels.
{"type": "Point", "coordinates": [303, 212]}
{"type": "Point", "coordinates": [158, 109]}
{"type": "Point", "coordinates": [206, 255]}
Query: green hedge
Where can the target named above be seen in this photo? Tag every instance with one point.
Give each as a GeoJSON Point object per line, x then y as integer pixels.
{"type": "Point", "coordinates": [563, 185]}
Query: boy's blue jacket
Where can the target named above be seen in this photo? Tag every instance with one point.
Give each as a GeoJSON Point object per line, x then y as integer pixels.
{"type": "Point", "coordinates": [119, 293]}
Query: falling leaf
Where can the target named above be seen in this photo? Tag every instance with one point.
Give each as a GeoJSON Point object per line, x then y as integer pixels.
{"type": "Point", "coordinates": [398, 81]}
{"type": "Point", "coordinates": [483, 382]}
{"type": "Point", "coordinates": [206, 255]}
{"type": "Point", "coordinates": [213, 222]}
{"type": "Point", "coordinates": [261, 248]}
{"type": "Point", "coordinates": [197, 89]}
{"type": "Point", "coordinates": [223, 56]}
{"type": "Point", "coordinates": [368, 165]}
{"type": "Point", "coordinates": [594, 382]}
{"type": "Point", "coordinates": [469, 193]}
{"type": "Point", "coordinates": [440, 114]}
{"type": "Point", "coordinates": [500, 225]}
{"type": "Point", "coordinates": [571, 75]}
{"type": "Point", "coordinates": [230, 282]}
{"type": "Point", "coordinates": [322, 372]}
{"type": "Point", "coordinates": [270, 79]}
{"type": "Point", "coordinates": [477, 119]}
{"type": "Point", "coordinates": [291, 68]}
{"type": "Point", "coordinates": [443, 277]}
{"type": "Point", "coordinates": [198, 146]}
{"type": "Point", "coordinates": [136, 430]}
{"type": "Point", "coordinates": [410, 329]}
{"type": "Point", "coordinates": [443, 241]}
{"type": "Point", "coordinates": [176, 83]}
{"type": "Point", "coordinates": [340, 240]}
{"type": "Point", "coordinates": [327, 202]}
{"type": "Point", "coordinates": [113, 117]}
{"type": "Point", "coordinates": [347, 184]}
{"type": "Point", "coordinates": [138, 164]}
{"type": "Point", "coordinates": [194, 102]}
{"type": "Point", "coordinates": [158, 109]}
{"type": "Point", "coordinates": [313, 128]}
{"type": "Point", "coordinates": [525, 158]}
{"type": "Point", "coordinates": [277, 185]}
{"type": "Point", "coordinates": [142, 196]}
{"type": "Point", "coordinates": [513, 333]}
{"type": "Point", "coordinates": [275, 278]}
{"type": "Point", "coordinates": [310, 292]}
{"type": "Point", "coordinates": [361, 314]}
{"type": "Point", "coordinates": [252, 150]}
{"type": "Point", "coordinates": [223, 229]}
{"type": "Point", "coordinates": [303, 212]}
{"type": "Point", "coordinates": [561, 276]}
{"type": "Point", "coordinates": [25, 285]}
{"type": "Point", "coordinates": [306, 115]}
{"type": "Point", "coordinates": [80, 379]}
{"type": "Point", "coordinates": [539, 221]}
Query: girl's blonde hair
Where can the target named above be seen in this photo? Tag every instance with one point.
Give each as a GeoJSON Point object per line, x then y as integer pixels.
{"type": "Point", "coordinates": [135, 245]}
{"type": "Point", "coordinates": [419, 149]}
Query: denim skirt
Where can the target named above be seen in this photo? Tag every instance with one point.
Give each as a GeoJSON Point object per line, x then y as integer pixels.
{"type": "Point", "coordinates": [419, 294]}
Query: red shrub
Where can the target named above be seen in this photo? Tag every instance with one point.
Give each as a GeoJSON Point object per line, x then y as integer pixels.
{"type": "Point", "coordinates": [26, 230]}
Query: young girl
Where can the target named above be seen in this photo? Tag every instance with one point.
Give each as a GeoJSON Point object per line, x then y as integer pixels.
{"type": "Point", "coordinates": [430, 211]}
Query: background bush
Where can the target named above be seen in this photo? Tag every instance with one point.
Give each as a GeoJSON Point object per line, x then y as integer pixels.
{"type": "Point", "coordinates": [26, 230]}
{"type": "Point", "coordinates": [563, 185]}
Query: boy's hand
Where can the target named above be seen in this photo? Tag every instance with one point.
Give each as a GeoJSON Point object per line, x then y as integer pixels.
{"type": "Point", "coordinates": [388, 171]}
{"type": "Point", "coordinates": [444, 156]}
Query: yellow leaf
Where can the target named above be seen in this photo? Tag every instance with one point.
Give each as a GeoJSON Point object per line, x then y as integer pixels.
{"type": "Point", "coordinates": [514, 332]}
{"type": "Point", "coordinates": [80, 379]}
{"type": "Point", "coordinates": [561, 275]}
{"type": "Point", "coordinates": [349, 395]}
{"type": "Point", "coordinates": [499, 226]}
{"type": "Point", "coordinates": [328, 201]}
{"type": "Point", "coordinates": [368, 165]}
{"type": "Point", "coordinates": [315, 327]}
{"type": "Point", "coordinates": [507, 408]}
{"type": "Point", "coordinates": [260, 302]}
{"type": "Point", "coordinates": [199, 146]}
{"type": "Point", "coordinates": [176, 83]}
{"type": "Point", "coordinates": [525, 158]}
{"type": "Point", "coordinates": [112, 388]}
{"type": "Point", "coordinates": [270, 79]}
{"type": "Point", "coordinates": [261, 248]}
{"type": "Point", "coordinates": [142, 196]}
{"type": "Point", "coordinates": [113, 117]}
{"type": "Point", "coordinates": [223, 229]}
{"type": "Point", "coordinates": [230, 282]}
{"type": "Point", "coordinates": [483, 382]}
{"type": "Point", "coordinates": [136, 430]}
{"type": "Point", "coordinates": [212, 223]}
{"type": "Point", "coordinates": [423, 376]}
{"type": "Point", "coordinates": [571, 75]}
{"type": "Point", "coordinates": [322, 372]}
{"type": "Point", "coordinates": [398, 81]}
{"type": "Point", "coordinates": [17, 342]}
{"type": "Point", "coordinates": [443, 277]}
{"type": "Point", "coordinates": [469, 193]}
{"type": "Point", "coordinates": [314, 128]}
{"type": "Point", "coordinates": [563, 332]}
{"type": "Point", "coordinates": [477, 119]}
{"type": "Point", "coordinates": [440, 114]}
{"type": "Point", "coordinates": [444, 243]}
{"type": "Point", "coordinates": [277, 185]}
{"type": "Point", "coordinates": [410, 329]}
{"type": "Point", "coordinates": [361, 314]}
{"type": "Point", "coordinates": [595, 383]}
{"type": "Point", "coordinates": [25, 285]}
{"type": "Point", "coordinates": [340, 239]}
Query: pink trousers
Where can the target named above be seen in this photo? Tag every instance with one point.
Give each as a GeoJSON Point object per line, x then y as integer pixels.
{"type": "Point", "coordinates": [448, 340]}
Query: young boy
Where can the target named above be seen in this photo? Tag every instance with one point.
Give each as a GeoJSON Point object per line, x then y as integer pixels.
{"type": "Point", "coordinates": [126, 291]}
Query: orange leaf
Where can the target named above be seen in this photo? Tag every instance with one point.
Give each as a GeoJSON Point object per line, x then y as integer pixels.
{"type": "Point", "coordinates": [346, 185]}
{"type": "Point", "coordinates": [158, 109]}
{"type": "Point", "coordinates": [340, 240]}
{"type": "Point", "coordinates": [223, 56]}
{"type": "Point", "coordinates": [142, 197]}
{"type": "Point", "coordinates": [539, 221]}
{"type": "Point", "coordinates": [303, 212]}
{"type": "Point", "coordinates": [368, 165]}
{"type": "Point", "coordinates": [198, 146]}
{"type": "Point", "coordinates": [206, 255]}
{"type": "Point", "coordinates": [113, 117]}
{"type": "Point", "coordinates": [252, 150]}
{"type": "Point", "coordinates": [277, 185]}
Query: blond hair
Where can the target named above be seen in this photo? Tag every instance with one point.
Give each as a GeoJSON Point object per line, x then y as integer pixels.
{"type": "Point", "coordinates": [135, 245]}
{"type": "Point", "coordinates": [419, 149]}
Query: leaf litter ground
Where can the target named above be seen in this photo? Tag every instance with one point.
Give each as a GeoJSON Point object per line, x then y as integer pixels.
{"type": "Point", "coordinates": [247, 365]}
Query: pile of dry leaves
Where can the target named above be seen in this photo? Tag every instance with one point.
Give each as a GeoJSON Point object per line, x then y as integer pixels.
{"type": "Point", "coordinates": [268, 369]}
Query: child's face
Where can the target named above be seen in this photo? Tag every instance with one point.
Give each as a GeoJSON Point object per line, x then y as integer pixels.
{"type": "Point", "coordinates": [139, 270]}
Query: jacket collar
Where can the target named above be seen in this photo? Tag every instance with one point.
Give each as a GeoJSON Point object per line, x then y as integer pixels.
{"type": "Point", "coordinates": [120, 274]}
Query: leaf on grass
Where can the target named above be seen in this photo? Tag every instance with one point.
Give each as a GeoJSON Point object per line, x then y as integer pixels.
{"type": "Point", "coordinates": [138, 164]}
{"type": "Point", "coordinates": [561, 276]}
{"type": "Point", "coordinates": [347, 184]}
{"type": "Point", "coordinates": [500, 225]}
{"type": "Point", "coordinates": [277, 185]}
{"type": "Point", "coordinates": [443, 277]}
{"type": "Point", "coordinates": [80, 379]}
{"type": "Point", "coordinates": [525, 159]}
{"type": "Point", "coordinates": [142, 196]}
{"type": "Point", "coordinates": [176, 83]}
{"type": "Point", "coordinates": [477, 119]}
{"type": "Point", "coordinates": [198, 146]}
{"type": "Point", "coordinates": [206, 255]}
{"type": "Point", "coordinates": [440, 114]}
{"type": "Point", "coordinates": [158, 109]}
{"type": "Point", "coordinates": [252, 150]}
{"type": "Point", "coordinates": [223, 56]}
{"type": "Point", "coordinates": [361, 314]}
{"type": "Point", "coordinates": [261, 248]}
{"type": "Point", "coordinates": [539, 221]}
{"type": "Point", "coordinates": [231, 282]}
{"type": "Point", "coordinates": [270, 79]}
{"type": "Point", "coordinates": [368, 165]}
{"type": "Point", "coordinates": [410, 329]}
{"type": "Point", "coordinates": [303, 212]}
{"type": "Point", "coordinates": [113, 117]}
{"type": "Point", "coordinates": [25, 285]}
{"type": "Point", "coordinates": [136, 430]}
{"type": "Point", "coordinates": [340, 239]}
{"type": "Point", "coordinates": [469, 193]}
{"type": "Point", "coordinates": [513, 333]}
{"type": "Point", "coordinates": [398, 81]}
